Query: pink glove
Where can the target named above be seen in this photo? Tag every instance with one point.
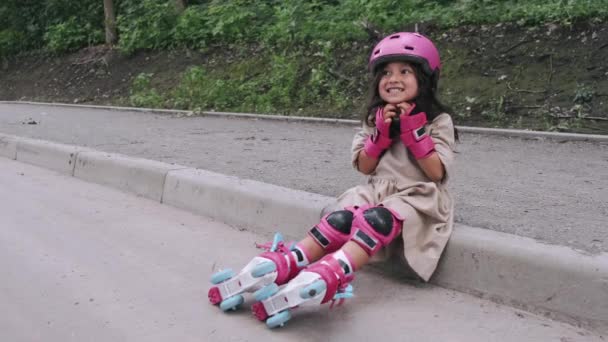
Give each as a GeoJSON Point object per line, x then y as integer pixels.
{"type": "Point", "coordinates": [379, 142]}
{"type": "Point", "coordinates": [413, 134]}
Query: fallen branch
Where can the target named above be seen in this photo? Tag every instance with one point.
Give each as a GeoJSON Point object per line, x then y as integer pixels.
{"type": "Point", "coordinates": [551, 69]}
{"type": "Point", "coordinates": [595, 118]}
{"type": "Point", "coordinates": [525, 90]}
{"type": "Point", "coordinates": [88, 61]}
{"type": "Point", "coordinates": [516, 45]}
{"type": "Point", "coordinates": [526, 107]}
{"type": "Point", "coordinates": [338, 75]}
{"type": "Point", "coordinates": [372, 31]}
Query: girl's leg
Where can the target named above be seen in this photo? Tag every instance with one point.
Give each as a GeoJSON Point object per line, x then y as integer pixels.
{"type": "Point", "coordinates": [329, 278]}
{"type": "Point", "coordinates": [358, 256]}
{"type": "Point", "coordinates": [281, 263]}
{"type": "Point", "coordinates": [315, 251]}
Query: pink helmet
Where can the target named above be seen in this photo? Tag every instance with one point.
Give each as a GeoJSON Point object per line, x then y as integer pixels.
{"type": "Point", "coordinates": [407, 46]}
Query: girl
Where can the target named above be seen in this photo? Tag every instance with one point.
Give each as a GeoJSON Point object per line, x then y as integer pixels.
{"type": "Point", "coordinates": [406, 147]}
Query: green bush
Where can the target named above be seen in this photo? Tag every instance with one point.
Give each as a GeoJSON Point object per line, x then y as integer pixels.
{"type": "Point", "coordinates": [275, 84]}
{"type": "Point", "coordinates": [201, 89]}
{"type": "Point", "coordinates": [142, 94]}
{"type": "Point", "coordinates": [282, 85]}
{"type": "Point", "coordinates": [11, 42]}
{"type": "Point", "coordinates": [238, 21]}
{"type": "Point", "coordinates": [299, 24]}
{"type": "Point", "coordinates": [71, 35]}
{"type": "Point", "coordinates": [525, 12]}
{"type": "Point", "coordinates": [192, 29]}
{"type": "Point", "coordinates": [146, 24]}
{"type": "Point", "coordinates": [282, 26]}
{"type": "Point", "coordinates": [192, 90]}
{"type": "Point", "coordinates": [22, 21]}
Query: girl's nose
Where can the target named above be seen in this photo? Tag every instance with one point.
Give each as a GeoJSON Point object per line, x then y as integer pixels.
{"type": "Point", "coordinates": [394, 77]}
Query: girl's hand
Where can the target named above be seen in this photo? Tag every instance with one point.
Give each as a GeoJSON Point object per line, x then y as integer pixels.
{"type": "Point", "coordinates": [377, 143]}
{"type": "Point", "coordinates": [413, 132]}
{"type": "Point", "coordinates": [402, 109]}
{"type": "Point", "coordinates": [384, 117]}
{"type": "Point", "coordinates": [405, 108]}
{"type": "Point", "coordinates": [390, 111]}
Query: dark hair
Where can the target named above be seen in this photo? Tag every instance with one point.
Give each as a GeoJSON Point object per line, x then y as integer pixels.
{"type": "Point", "coordinates": [426, 100]}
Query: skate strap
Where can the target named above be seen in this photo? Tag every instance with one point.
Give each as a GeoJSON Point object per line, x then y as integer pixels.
{"type": "Point", "coordinates": [277, 245]}
{"type": "Point", "coordinates": [335, 279]}
{"type": "Point", "coordinates": [284, 260]}
{"type": "Point", "coordinates": [342, 294]}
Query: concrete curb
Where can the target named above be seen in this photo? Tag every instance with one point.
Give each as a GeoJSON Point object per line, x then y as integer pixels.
{"type": "Point", "coordinates": [347, 122]}
{"type": "Point", "coordinates": [552, 280]}
{"type": "Point", "coordinates": [50, 155]}
{"type": "Point", "coordinates": [140, 176]}
{"type": "Point", "coordinates": [8, 146]}
{"type": "Point", "coordinates": [243, 203]}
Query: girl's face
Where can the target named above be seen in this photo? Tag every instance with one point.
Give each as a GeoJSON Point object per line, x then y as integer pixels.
{"type": "Point", "coordinates": [398, 83]}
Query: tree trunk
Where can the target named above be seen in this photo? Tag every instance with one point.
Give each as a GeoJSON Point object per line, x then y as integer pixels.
{"type": "Point", "coordinates": [110, 22]}
{"type": "Point", "coordinates": [181, 5]}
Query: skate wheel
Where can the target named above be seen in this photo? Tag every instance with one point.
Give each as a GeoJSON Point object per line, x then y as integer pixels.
{"type": "Point", "coordinates": [263, 269]}
{"type": "Point", "coordinates": [259, 311]}
{"type": "Point", "coordinates": [313, 289]}
{"type": "Point", "coordinates": [279, 319]}
{"type": "Point", "coordinates": [232, 303]}
{"type": "Point", "coordinates": [266, 292]}
{"type": "Point", "coordinates": [222, 276]}
{"type": "Point", "coordinates": [214, 295]}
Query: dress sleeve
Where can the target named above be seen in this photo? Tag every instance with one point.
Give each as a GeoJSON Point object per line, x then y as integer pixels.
{"type": "Point", "coordinates": [442, 133]}
{"type": "Point", "coordinates": [358, 142]}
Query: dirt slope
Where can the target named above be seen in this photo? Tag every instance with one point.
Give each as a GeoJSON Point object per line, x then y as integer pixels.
{"type": "Point", "coordinates": [547, 77]}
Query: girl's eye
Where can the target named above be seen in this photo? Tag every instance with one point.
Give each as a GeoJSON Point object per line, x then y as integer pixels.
{"type": "Point", "coordinates": [406, 71]}
{"type": "Point", "coordinates": [386, 73]}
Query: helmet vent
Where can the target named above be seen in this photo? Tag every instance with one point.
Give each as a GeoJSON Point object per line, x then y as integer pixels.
{"type": "Point", "coordinates": [377, 52]}
{"type": "Point", "coordinates": [395, 36]}
{"type": "Point", "coordinates": [407, 47]}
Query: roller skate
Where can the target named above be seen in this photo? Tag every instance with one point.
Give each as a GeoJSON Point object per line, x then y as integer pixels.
{"type": "Point", "coordinates": [329, 279]}
{"type": "Point", "coordinates": [276, 266]}
{"type": "Point", "coordinates": [325, 281]}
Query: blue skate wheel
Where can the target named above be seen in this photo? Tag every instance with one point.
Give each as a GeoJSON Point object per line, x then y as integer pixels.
{"type": "Point", "coordinates": [263, 269]}
{"type": "Point", "coordinates": [232, 303]}
{"type": "Point", "coordinates": [222, 276]}
{"type": "Point", "coordinates": [266, 292]}
{"type": "Point", "coordinates": [279, 319]}
{"type": "Point", "coordinates": [313, 289]}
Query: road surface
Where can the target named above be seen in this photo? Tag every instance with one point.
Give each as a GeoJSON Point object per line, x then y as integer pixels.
{"type": "Point", "coordinates": [552, 191]}
{"type": "Point", "coordinates": [81, 262]}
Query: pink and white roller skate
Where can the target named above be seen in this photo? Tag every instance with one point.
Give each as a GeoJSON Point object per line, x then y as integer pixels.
{"type": "Point", "coordinates": [276, 266]}
{"type": "Point", "coordinates": [324, 281]}
{"type": "Point", "coordinates": [373, 227]}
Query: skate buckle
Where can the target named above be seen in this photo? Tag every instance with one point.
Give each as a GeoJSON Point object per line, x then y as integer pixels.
{"type": "Point", "coordinates": [342, 294]}
{"type": "Point", "coordinates": [277, 245]}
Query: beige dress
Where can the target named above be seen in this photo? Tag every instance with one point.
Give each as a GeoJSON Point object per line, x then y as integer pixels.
{"type": "Point", "coordinates": [400, 184]}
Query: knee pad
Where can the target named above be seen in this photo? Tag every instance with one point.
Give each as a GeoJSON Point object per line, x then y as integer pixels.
{"type": "Point", "coordinates": [374, 228]}
{"type": "Point", "coordinates": [334, 230]}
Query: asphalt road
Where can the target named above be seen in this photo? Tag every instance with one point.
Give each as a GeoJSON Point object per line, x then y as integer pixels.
{"type": "Point", "coordinates": [552, 191]}
{"type": "Point", "coordinates": [81, 262]}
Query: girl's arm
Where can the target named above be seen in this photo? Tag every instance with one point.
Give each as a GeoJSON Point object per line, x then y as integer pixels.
{"type": "Point", "coordinates": [365, 163]}
{"type": "Point", "coordinates": [432, 167]}
{"type": "Point", "coordinates": [430, 164]}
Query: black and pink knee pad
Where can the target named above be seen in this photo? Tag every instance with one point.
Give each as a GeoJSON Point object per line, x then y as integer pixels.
{"type": "Point", "coordinates": [334, 230]}
{"type": "Point", "coordinates": [375, 227]}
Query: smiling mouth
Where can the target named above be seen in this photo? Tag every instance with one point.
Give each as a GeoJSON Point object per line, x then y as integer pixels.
{"type": "Point", "coordinates": [394, 90]}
